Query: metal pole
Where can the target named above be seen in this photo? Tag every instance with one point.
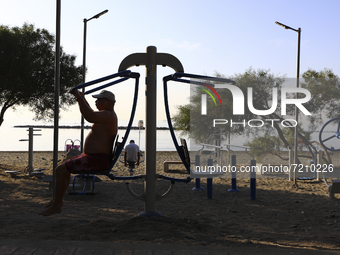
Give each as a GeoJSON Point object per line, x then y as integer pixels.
{"type": "Point", "coordinates": [140, 125]}
{"type": "Point", "coordinates": [318, 162]}
{"type": "Point", "coordinates": [83, 89]}
{"type": "Point", "coordinates": [291, 158]}
{"type": "Point", "coordinates": [296, 109]}
{"type": "Point", "coordinates": [198, 180]}
{"type": "Point", "coordinates": [30, 150]}
{"type": "Point", "coordinates": [84, 72]}
{"type": "Point", "coordinates": [56, 92]}
{"type": "Point", "coordinates": [150, 59]}
{"type": "Point", "coordinates": [150, 133]}
{"type": "Point", "coordinates": [233, 175]}
{"type": "Point", "coordinates": [297, 85]}
{"type": "Point", "coordinates": [253, 179]}
{"type": "Point", "coordinates": [209, 180]}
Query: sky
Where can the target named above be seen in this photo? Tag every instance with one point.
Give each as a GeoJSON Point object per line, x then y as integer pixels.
{"type": "Point", "coordinates": [226, 36]}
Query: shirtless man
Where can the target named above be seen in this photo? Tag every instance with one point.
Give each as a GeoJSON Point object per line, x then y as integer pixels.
{"type": "Point", "coordinates": [97, 148]}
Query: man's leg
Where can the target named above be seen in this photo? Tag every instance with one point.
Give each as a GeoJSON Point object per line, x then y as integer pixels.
{"type": "Point", "coordinates": [61, 185]}
{"type": "Point", "coordinates": [131, 165]}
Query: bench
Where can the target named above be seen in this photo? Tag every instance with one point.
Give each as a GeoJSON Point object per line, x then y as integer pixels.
{"type": "Point", "coordinates": [167, 163]}
{"type": "Point", "coordinates": [49, 179]}
{"type": "Point", "coordinates": [86, 184]}
{"type": "Point", "coordinates": [38, 172]}
{"type": "Point", "coordinates": [334, 188]}
{"type": "Point", "coordinates": [12, 173]}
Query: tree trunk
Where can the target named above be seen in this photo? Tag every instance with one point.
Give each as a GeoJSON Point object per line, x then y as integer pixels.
{"type": "Point", "coordinates": [308, 144]}
{"type": "Point", "coordinates": [4, 109]}
{"type": "Point", "coordinates": [2, 113]}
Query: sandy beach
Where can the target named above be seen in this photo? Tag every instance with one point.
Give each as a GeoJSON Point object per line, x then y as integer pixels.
{"type": "Point", "coordinates": [284, 215]}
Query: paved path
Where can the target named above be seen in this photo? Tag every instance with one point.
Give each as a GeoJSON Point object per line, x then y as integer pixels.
{"type": "Point", "coordinates": [42, 247]}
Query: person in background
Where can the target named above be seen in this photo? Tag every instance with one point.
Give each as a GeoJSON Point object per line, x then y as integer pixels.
{"type": "Point", "coordinates": [132, 154]}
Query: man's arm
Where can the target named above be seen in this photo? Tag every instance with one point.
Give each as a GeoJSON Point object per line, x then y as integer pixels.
{"type": "Point", "coordinates": [125, 153]}
{"type": "Point", "coordinates": [99, 117]}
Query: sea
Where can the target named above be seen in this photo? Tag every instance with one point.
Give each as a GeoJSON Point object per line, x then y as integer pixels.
{"type": "Point", "coordinates": [13, 138]}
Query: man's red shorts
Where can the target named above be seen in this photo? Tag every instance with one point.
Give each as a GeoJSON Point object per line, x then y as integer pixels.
{"type": "Point", "coordinates": [88, 162]}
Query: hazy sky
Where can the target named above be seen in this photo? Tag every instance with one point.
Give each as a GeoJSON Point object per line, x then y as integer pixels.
{"type": "Point", "coordinates": [206, 36]}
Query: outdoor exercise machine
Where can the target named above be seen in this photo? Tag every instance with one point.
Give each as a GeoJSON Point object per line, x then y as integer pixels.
{"type": "Point", "coordinates": [179, 77]}
{"type": "Point", "coordinates": [208, 175]}
{"type": "Point", "coordinates": [151, 59]}
{"type": "Point", "coordinates": [90, 177]}
{"type": "Point", "coordinates": [315, 162]}
{"type": "Point", "coordinates": [29, 169]}
{"type": "Point", "coordinates": [217, 148]}
{"type": "Point", "coordinates": [252, 168]}
{"type": "Point", "coordinates": [70, 144]}
{"type": "Point", "coordinates": [253, 171]}
{"type": "Point", "coordinates": [233, 172]}
{"type": "Point", "coordinates": [131, 166]}
{"type": "Point", "coordinates": [327, 141]}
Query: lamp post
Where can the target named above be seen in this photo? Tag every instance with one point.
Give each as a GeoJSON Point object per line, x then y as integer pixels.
{"type": "Point", "coordinates": [56, 92]}
{"type": "Point", "coordinates": [84, 70]}
{"type": "Point", "coordinates": [140, 126]}
{"type": "Point", "coordinates": [297, 85]}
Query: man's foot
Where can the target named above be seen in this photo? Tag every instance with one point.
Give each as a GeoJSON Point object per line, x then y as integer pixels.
{"type": "Point", "coordinates": [53, 209]}
{"type": "Point", "coordinates": [50, 203]}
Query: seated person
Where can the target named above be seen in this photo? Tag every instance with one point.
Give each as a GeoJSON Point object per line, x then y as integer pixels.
{"type": "Point", "coordinates": [131, 155]}
{"type": "Point", "coordinates": [98, 145]}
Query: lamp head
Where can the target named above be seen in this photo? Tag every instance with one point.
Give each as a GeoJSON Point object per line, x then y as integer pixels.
{"type": "Point", "coordinates": [100, 14]}
{"type": "Point", "coordinates": [282, 25]}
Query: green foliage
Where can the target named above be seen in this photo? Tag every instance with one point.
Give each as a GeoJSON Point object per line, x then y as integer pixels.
{"type": "Point", "coordinates": [273, 144]}
{"type": "Point", "coordinates": [27, 62]}
{"type": "Point", "coordinates": [263, 145]}
{"type": "Point", "coordinates": [325, 89]}
{"type": "Point", "coordinates": [182, 119]}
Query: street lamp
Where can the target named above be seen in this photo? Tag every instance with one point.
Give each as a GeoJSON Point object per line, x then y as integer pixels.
{"type": "Point", "coordinates": [84, 69]}
{"type": "Point", "coordinates": [297, 85]}
{"type": "Point", "coordinates": [140, 126]}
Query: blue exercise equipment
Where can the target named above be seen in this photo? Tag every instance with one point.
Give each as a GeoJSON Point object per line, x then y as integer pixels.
{"type": "Point", "coordinates": [198, 180]}
{"type": "Point", "coordinates": [150, 59]}
{"type": "Point", "coordinates": [233, 175]}
{"type": "Point", "coordinates": [176, 77]}
{"type": "Point", "coordinates": [118, 147]}
{"type": "Point", "coordinates": [328, 141]}
{"type": "Point", "coordinates": [90, 177]}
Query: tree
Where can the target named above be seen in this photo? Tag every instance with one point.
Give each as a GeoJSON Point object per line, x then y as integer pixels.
{"type": "Point", "coordinates": [27, 63]}
{"type": "Point", "coordinates": [182, 119]}
{"type": "Point", "coordinates": [324, 85]}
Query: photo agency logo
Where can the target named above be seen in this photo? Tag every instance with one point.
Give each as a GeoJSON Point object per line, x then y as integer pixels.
{"type": "Point", "coordinates": [227, 108]}
{"type": "Point", "coordinates": [238, 105]}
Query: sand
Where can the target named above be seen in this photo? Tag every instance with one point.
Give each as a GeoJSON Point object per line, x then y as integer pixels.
{"type": "Point", "coordinates": [282, 214]}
